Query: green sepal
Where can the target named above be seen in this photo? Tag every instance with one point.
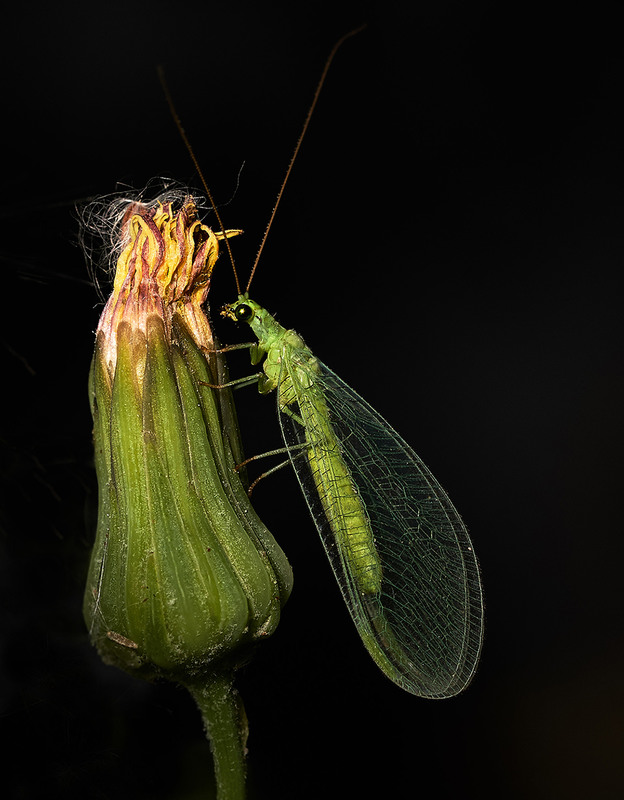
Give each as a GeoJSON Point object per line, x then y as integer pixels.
{"type": "Point", "coordinates": [183, 574]}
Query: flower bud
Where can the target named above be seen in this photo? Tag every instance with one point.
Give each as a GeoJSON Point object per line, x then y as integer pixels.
{"type": "Point", "coordinates": [183, 575]}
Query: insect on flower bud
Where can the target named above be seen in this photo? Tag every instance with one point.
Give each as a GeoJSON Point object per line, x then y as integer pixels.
{"type": "Point", "coordinates": [183, 575]}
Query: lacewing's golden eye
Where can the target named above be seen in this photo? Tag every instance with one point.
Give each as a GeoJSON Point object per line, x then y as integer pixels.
{"type": "Point", "coordinates": [244, 313]}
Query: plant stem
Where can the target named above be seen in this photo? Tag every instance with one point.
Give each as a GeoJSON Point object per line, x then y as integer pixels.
{"type": "Point", "coordinates": [225, 726]}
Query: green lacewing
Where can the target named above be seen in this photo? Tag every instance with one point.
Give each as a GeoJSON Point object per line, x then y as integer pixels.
{"type": "Point", "coordinates": [399, 550]}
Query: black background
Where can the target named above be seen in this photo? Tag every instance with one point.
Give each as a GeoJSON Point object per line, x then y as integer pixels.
{"type": "Point", "coordinates": [451, 244]}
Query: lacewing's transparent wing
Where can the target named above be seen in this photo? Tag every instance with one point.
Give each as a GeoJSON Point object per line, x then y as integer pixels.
{"type": "Point", "coordinates": [424, 627]}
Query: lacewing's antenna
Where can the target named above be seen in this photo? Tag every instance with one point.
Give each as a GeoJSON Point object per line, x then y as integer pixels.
{"type": "Point", "coordinates": [185, 139]}
{"type": "Point", "coordinates": [297, 146]}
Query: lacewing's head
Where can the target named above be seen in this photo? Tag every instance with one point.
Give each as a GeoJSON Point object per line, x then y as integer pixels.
{"type": "Point", "coordinates": [265, 327]}
{"type": "Point", "coordinates": [244, 310]}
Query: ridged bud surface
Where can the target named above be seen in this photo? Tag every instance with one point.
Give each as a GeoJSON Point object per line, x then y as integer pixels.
{"type": "Point", "coordinates": [183, 576]}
